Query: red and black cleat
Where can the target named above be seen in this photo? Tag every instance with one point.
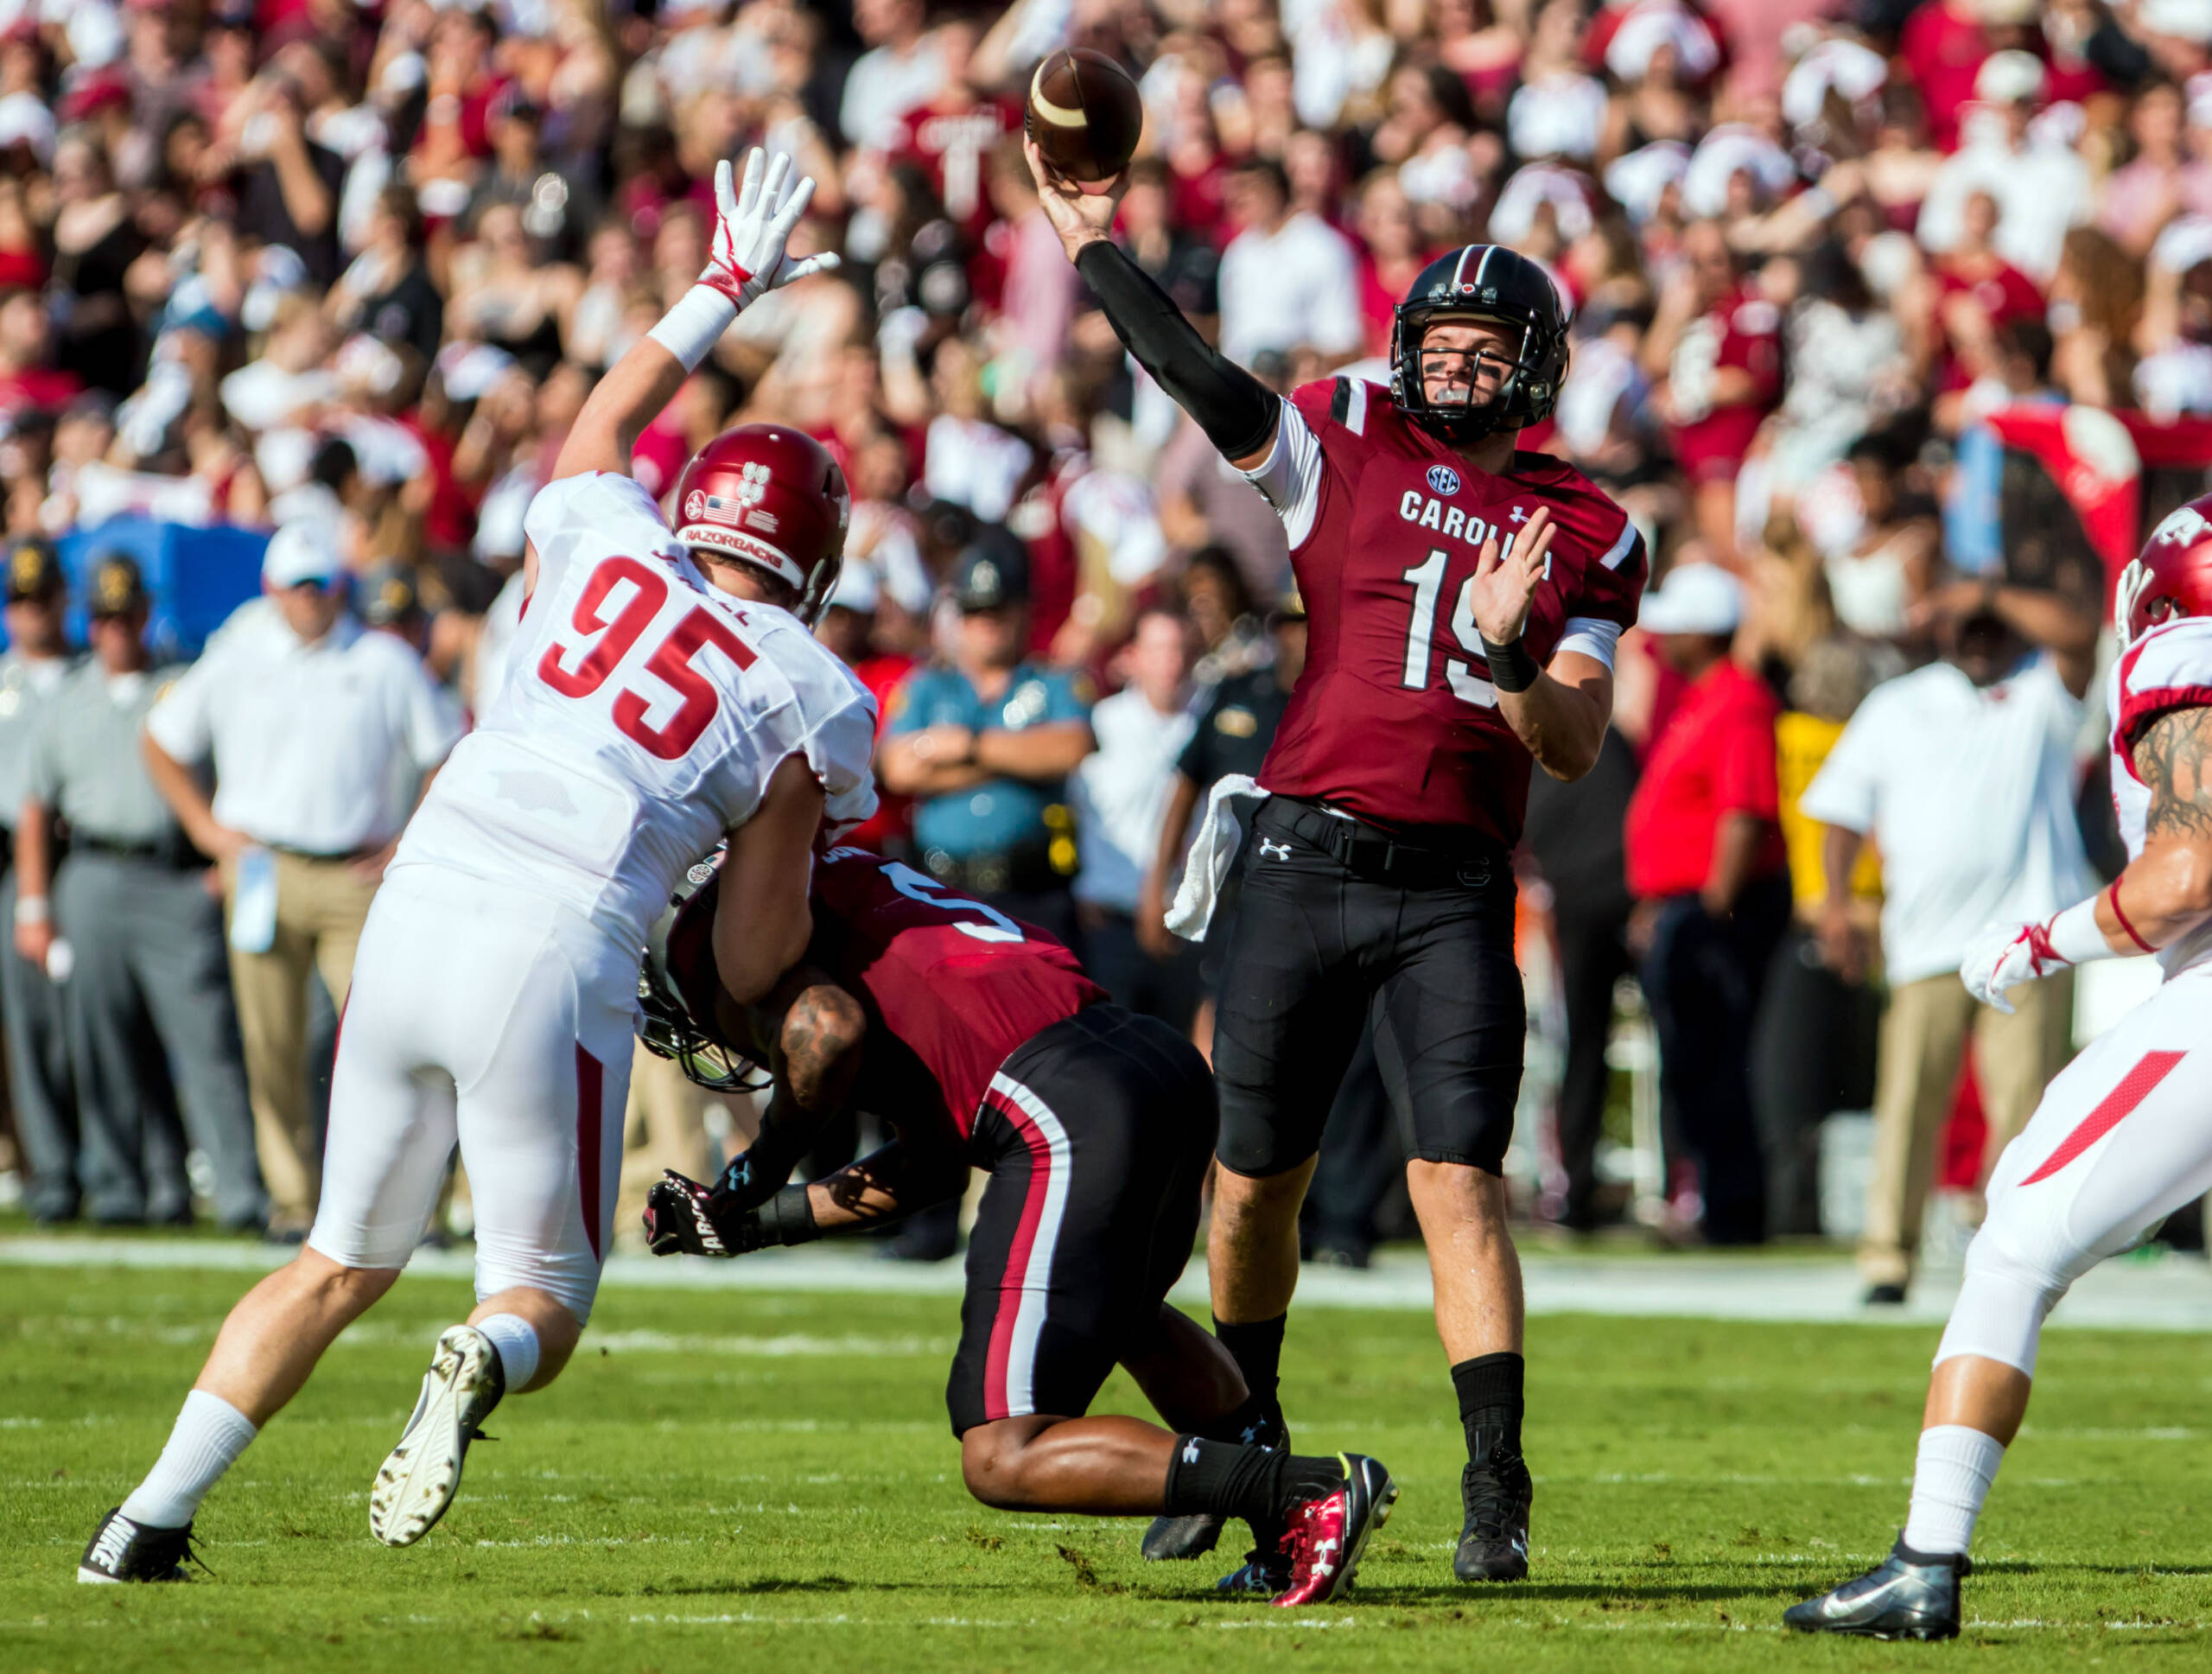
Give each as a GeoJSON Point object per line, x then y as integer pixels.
{"type": "Point", "coordinates": [1326, 1535]}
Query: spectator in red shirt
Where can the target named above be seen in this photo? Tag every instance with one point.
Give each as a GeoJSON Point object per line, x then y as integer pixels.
{"type": "Point", "coordinates": [848, 627]}
{"type": "Point", "coordinates": [1717, 343]}
{"type": "Point", "coordinates": [1978, 293]}
{"type": "Point", "coordinates": [1707, 864]}
{"type": "Point", "coordinates": [1941, 46]}
{"type": "Point", "coordinates": [951, 138]}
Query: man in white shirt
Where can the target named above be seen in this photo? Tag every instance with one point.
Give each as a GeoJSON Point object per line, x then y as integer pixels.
{"type": "Point", "coordinates": [902, 69]}
{"type": "Point", "coordinates": [307, 718]}
{"type": "Point", "coordinates": [1288, 279]}
{"type": "Point", "coordinates": [1962, 773]}
{"type": "Point", "coordinates": [2041, 187]}
{"type": "Point", "coordinates": [1120, 794]}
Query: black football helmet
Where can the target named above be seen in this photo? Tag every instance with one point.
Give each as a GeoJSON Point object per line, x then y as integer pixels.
{"type": "Point", "coordinates": [1484, 282]}
{"type": "Point", "coordinates": [674, 950]}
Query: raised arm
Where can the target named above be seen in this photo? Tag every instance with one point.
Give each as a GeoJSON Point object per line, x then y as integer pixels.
{"type": "Point", "coordinates": [751, 226]}
{"type": "Point", "coordinates": [1236, 411]}
{"type": "Point", "coordinates": [2164, 893]}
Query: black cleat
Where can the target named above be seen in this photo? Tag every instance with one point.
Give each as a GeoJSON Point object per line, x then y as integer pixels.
{"type": "Point", "coordinates": [1265, 1572]}
{"type": "Point", "coordinates": [1494, 1539]}
{"type": "Point", "coordinates": [1171, 1538]}
{"type": "Point", "coordinates": [1885, 1295]}
{"type": "Point", "coordinates": [122, 1550]}
{"type": "Point", "coordinates": [1907, 1595]}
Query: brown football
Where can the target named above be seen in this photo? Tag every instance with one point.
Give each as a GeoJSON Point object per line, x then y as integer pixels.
{"type": "Point", "coordinates": [1084, 114]}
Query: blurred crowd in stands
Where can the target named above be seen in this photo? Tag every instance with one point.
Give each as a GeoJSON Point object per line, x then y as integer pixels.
{"type": "Point", "coordinates": [1893, 329]}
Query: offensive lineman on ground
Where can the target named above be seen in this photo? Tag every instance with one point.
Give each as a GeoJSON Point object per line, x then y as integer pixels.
{"type": "Point", "coordinates": [982, 1038]}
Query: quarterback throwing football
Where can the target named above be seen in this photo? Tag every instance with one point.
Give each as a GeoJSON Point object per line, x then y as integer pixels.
{"type": "Point", "coordinates": [2123, 1137]}
{"type": "Point", "coordinates": [1463, 600]}
{"type": "Point", "coordinates": [666, 694]}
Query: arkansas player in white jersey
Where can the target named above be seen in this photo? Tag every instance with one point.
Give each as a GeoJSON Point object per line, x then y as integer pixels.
{"type": "Point", "coordinates": [2123, 1137]}
{"type": "Point", "coordinates": [665, 694]}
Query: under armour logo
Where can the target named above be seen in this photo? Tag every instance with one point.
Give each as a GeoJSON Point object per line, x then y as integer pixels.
{"type": "Point", "coordinates": [1273, 850]}
{"type": "Point", "coordinates": [1519, 516]}
{"type": "Point", "coordinates": [1191, 1451]}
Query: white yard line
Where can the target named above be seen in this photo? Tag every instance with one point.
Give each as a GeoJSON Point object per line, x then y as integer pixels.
{"type": "Point", "coordinates": [2172, 1294]}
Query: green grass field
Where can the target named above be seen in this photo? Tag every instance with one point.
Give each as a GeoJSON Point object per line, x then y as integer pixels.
{"type": "Point", "coordinates": [730, 1482]}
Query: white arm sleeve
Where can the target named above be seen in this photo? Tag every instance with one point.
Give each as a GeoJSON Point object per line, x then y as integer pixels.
{"type": "Point", "coordinates": [1594, 636]}
{"type": "Point", "coordinates": [1289, 478]}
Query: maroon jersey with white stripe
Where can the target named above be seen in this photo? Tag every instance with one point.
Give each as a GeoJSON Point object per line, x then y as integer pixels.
{"type": "Point", "coordinates": [1395, 718]}
{"type": "Point", "coordinates": [951, 986]}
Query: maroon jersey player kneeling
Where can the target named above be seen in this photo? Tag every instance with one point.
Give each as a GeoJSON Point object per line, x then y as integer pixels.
{"type": "Point", "coordinates": [1463, 600]}
{"type": "Point", "coordinates": [982, 1040]}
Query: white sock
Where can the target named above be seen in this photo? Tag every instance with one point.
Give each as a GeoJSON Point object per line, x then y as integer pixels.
{"type": "Point", "coordinates": [1950, 1480]}
{"type": "Point", "coordinates": [517, 1341]}
{"type": "Point", "coordinates": [210, 1434]}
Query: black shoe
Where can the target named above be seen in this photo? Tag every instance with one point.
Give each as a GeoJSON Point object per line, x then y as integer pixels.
{"type": "Point", "coordinates": [122, 1550]}
{"type": "Point", "coordinates": [1171, 1538]}
{"type": "Point", "coordinates": [1909, 1596]}
{"type": "Point", "coordinates": [1885, 1295]}
{"type": "Point", "coordinates": [1265, 1572]}
{"type": "Point", "coordinates": [1494, 1540]}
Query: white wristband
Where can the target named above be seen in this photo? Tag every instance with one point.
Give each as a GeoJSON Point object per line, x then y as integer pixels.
{"type": "Point", "coordinates": [690, 329]}
{"type": "Point", "coordinates": [32, 909]}
{"type": "Point", "coordinates": [2075, 938]}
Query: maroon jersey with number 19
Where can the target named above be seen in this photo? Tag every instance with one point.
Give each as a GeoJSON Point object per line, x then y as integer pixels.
{"type": "Point", "coordinates": [1395, 718]}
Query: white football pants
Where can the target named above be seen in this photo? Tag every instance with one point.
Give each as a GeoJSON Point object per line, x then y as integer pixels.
{"type": "Point", "coordinates": [2122, 1138]}
{"type": "Point", "coordinates": [481, 1013]}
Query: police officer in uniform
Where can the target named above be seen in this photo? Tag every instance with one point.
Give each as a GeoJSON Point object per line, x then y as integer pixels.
{"type": "Point", "coordinates": [149, 993]}
{"type": "Point", "coordinates": [985, 743]}
{"type": "Point", "coordinates": [38, 1049]}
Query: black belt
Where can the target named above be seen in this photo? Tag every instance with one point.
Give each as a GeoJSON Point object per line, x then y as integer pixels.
{"type": "Point", "coordinates": [1370, 852]}
{"type": "Point", "coordinates": [171, 851]}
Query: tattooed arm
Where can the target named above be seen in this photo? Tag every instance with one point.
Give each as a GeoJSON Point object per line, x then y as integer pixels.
{"type": "Point", "coordinates": [809, 1032]}
{"type": "Point", "coordinates": [2167, 890]}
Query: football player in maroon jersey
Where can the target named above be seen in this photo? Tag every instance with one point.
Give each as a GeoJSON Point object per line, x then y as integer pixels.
{"type": "Point", "coordinates": [983, 1039]}
{"type": "Point", "coordinates": [1464, 599]}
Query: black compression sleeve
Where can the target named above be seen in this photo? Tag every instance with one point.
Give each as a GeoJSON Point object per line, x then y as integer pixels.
{"type": "Point", "coordinates": [1236, 411]}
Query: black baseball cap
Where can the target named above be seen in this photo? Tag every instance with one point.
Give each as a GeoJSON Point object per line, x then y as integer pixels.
{"type": "Point", "coordinates": [34, 570]}
{"type": "Point", "coordinates": [117, 587]}
{"type": "Point", "coordinates": [992, 570]}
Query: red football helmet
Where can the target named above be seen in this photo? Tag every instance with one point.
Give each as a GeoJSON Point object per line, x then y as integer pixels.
{"type": "Point", "coordinates": [2173, 576]}
{"type": "Point", "coordinates": [773, 497]}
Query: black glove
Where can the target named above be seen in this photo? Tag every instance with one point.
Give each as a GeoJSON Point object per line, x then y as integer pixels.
{"type": "Point", "coordinates": [752, 1177]}
{"type": "Point", "coordinates": [684, 1217]}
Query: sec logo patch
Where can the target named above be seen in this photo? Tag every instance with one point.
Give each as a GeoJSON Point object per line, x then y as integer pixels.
{"type": "Point", "coordinates": [1444, 479]}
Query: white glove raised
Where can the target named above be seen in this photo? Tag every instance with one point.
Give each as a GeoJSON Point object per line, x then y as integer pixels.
{"type": "Point", "coordinates": [752, 226]}
{"type": "Point", "coordinates": [2006, 955]}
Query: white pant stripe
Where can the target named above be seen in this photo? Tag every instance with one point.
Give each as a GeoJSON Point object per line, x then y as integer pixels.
{"type": "Point", "coordinates": [1037, 1271]}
